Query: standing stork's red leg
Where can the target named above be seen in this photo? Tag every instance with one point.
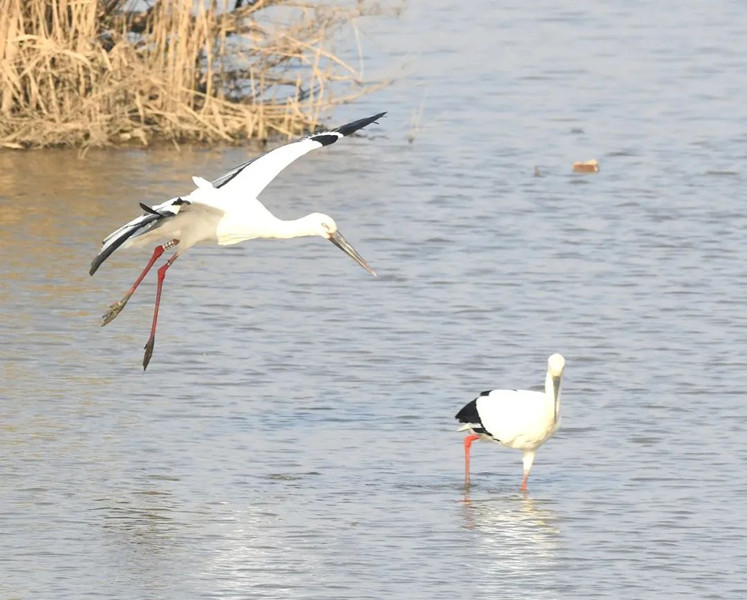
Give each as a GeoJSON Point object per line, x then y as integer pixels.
{"type": "Point", "coordinates": [117, 307]}
{"type": "Point", "coordinates": [152, 339]}
{"type": "Point", "coordinates": [467, 443]}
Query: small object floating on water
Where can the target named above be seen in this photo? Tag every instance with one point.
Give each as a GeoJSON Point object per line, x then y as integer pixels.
{"type": "Point", "coordinates": [537, 171]}
{"type": "Point", "coordinates": [520, 419]}
{"type": "Point", "coordinates": [590, 166]}
{"type": "Point", "coordinates": [224, 212]}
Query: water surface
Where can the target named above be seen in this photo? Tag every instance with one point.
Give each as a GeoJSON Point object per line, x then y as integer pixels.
{"type": "Point", "coordinates": [294, 435]}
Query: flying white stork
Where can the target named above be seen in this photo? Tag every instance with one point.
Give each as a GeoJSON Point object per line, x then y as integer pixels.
{"type": "Point", "coordinates": [225, 211]}
{"type": "Point", "coordinates": [520, 419]}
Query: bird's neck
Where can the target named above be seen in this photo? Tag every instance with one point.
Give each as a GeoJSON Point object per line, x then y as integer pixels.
{"type": "Point", "coordinates": [553, 401]}
{"type": "Point", "coordinates": [258, 222]}
{"type": "Point", "coordinates": [294, 228]}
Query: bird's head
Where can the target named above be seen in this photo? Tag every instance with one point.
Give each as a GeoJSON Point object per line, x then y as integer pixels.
{"type": "Point", "coordinates": [556, 364]}
{"type": "Point", "coordinates": [325, 226]}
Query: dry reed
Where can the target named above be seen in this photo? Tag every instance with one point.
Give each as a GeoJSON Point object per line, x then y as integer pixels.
{"type": "Point", "coordinates": [93, 73]}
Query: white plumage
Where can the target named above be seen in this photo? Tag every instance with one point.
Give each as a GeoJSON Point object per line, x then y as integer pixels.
{"type": "Point", "coordinates": [225, 211]}
{"type": "Point", "coordinates": [520, 419]}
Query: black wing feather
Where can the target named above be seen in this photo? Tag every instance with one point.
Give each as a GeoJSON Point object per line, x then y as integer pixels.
{"type": "Point", "coordinates": [147, 223]}
{"type": "Point", "coordinates": [226, 177]}
{"type": "Point", "coordinates": [469, 414]}
{"type": "Point", "coordinates": [349, 128]}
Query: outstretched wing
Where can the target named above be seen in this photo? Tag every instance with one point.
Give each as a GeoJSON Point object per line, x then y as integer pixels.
{"type": "Point", "coordinates": [253, 176]}
{"type": "Point", "coordinates": [138, 226]}
{"type": "Point", "coordinates": [248, 179]}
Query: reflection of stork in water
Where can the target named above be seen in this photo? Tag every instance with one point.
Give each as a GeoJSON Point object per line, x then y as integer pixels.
{"type": "Point", "coordinates": [513, 510]}
{"type": "Point", "coordinates": [515, 542]}
{"type": "Point", "coordinates": [518, 419]}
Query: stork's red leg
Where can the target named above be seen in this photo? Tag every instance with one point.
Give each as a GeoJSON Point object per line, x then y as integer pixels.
{"type": "Point", "coordinates": [152, 339]}
{"type": "Point", "coordinates": [117, 307]}
{"type": "Point", "coordinates": [467, 443]}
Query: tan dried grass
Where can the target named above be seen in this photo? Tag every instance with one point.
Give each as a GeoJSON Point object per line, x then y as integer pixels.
{"type": "Point", "coordinates": [91, 73]}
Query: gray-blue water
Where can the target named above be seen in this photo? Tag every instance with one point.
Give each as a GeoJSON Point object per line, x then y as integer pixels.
{"type": "Point", "coordinates": [294, 434]}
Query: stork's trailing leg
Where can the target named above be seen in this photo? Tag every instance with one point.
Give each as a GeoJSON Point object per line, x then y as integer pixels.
{"type": "Point", "coordinates": [528, 460]}
{"type": "Point", "coordinates": [117, 307]}
{"type": "Point", "coordinates": [152, 339]}
{"type": "Point", "coordinates": [467, 443]}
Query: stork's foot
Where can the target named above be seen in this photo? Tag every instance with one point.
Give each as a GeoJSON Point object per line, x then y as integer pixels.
{"type": "Point", "coordinates": [114, 310]}
{"type": "Point", "coordinates": [148, 351]}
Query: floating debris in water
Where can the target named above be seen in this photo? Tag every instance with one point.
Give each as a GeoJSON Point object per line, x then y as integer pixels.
{"type": "Point", "coordinates": [590, 166]}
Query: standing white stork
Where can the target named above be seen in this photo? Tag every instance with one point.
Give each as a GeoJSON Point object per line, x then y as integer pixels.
{"type": "Point", "coordinates": [520, 419]}
{"type": "Point", "coordinates": [225, 212]}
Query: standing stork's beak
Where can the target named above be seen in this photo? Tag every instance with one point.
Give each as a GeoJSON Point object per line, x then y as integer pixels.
{"type": "Point", "coordinates": [556, 386]}
{"type": "Point", "coordinates": [556, 393]}
{"type": "Point", "coordinates": [338, 240]}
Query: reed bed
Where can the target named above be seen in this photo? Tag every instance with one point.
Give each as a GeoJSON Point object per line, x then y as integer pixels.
{"type": "Point", "coordinates": [87, 73]}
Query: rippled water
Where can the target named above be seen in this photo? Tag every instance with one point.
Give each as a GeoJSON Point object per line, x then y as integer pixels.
{"type": "Point", "coordinates": [294, 434]}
